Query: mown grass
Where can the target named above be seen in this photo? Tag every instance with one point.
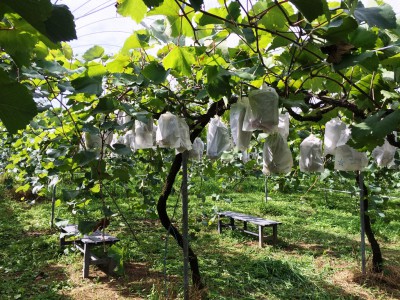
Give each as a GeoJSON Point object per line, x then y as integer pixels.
{"type": "Point", "coordinates": [317, 255]}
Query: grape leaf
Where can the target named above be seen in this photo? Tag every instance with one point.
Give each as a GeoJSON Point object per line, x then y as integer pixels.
{"type": "Point", "coordinates": [180, 60]}
{"type": "Point", "coordinates": [17, 106]}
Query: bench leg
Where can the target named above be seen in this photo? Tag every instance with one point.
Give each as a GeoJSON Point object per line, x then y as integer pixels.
{"type": "Point", "coordinates": [232, 223]}
{"type": "Point", "coordinates": [62, 242]}
{"type": "Point", "coordinates": [86, 260]}
{"type": "Point", "coordinates": [274, 233]}
{"type": "Point", "coordinates": [260, 236]}
{"type": "Point", "coordinates": [244, 225]}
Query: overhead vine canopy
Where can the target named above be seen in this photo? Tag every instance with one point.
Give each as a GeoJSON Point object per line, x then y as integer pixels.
{"type": "Point", "coordinates": [193, 58]}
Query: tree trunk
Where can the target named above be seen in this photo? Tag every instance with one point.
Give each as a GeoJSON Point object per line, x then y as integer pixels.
{"type": "Point", "coordinates": [377, 259]}
{"type": "Point", "coordinates": [166, 222]}
{"type": "Point", "coordinates": [217, 108]}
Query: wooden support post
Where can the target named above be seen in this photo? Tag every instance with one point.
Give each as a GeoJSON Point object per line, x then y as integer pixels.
{"type": "Point", "coordinates": [53, 205]}
{"type": "Point", "coordinates": [62, 242]}
{"type": "Point", "coordinates": [219, 224]}
{"type": "Point", "coordinates": [260, 236]}
{"type": "Point", "coordinates": [232, 223]}
{"type": "Point", "coordinates": [274, 233]}
{"type": "Point", "coordinates": [362, 223]}
{"type": "Point", "coordinates": [185, 225]}
{"type": "Point", "coordinates": [244, 225]}
{"type": "Point", "coordinates": [86, 260]}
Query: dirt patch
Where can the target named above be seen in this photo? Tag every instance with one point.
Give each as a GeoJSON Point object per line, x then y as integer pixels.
{"type": "Point", "coordinates": [137, 283]}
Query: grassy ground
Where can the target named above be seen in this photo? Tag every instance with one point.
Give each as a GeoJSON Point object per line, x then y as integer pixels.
{"type": "Point", "coordinates": [317, 256]}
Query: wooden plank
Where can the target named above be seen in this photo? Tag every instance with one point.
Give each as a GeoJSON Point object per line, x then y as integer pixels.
{"type": "Point", "coordinates": [248, 218]}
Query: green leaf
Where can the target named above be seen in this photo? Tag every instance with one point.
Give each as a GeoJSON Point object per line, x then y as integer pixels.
{"type": "Point", "coordinates": [382, 17]}
{"type": "Point", "coordinates": [196, 4]}
{"type": "Point", "coordinates": [17, 106]}
{"type": "Point", "coordinates": [93, 53]}
{"type": "Point", "coordinates": [353, 60]}
{"type": "Point", "coordinates": [180, 60]}
{"type": "Point", "coordinates": [295, 102]}
{"type": "Point", "coordinates": [118, 65]}
{"type": "Point", "coordinates": [275, 19]}
{"type": "Point", "coordinates": [217, 82]}
{"type": "Point", "coordinates": [60, 25]}
{"type": "Point", "coordinates": [233, 11]}
{"type": "Point", "coordinates": [67, 51]}
{"type": "Point", "coordinates": [363, 38]}
{"type": "Point", "coordinates": [310, 9]}
{"type": "Point", "coordinates": [136, 9]}
{"type": "Point", "coordinates": [106, 105]}
{"type": "Point", "coordinates": [209, 19]}
{"type": "Point", "coordinates": [138, 40]}
{"type": "Point", "coordinates": [155, 72]}
{"type": "Point", "coordinates": [86, 227]}
{"type": "Point", "coordinates": [83, 158]}
{"type": "Point", "coordinates": [339, 29]}
{"type": "Point", "coordinates": [95, 69]}
{"type": "Point", "coordinates": [88, 85]}
{"type": "Point", "coordinates": [282, 40]}
{"type": "Point", "coordinates": [19, 45]}
{"type": "Point", "coordinates": [153, 3]}
{"type": "Point", "coordinates": [69, 194]}
{"type": "Point", "coordinates": [122, 174]}
{"type": "Point", "coordinates": [121, 149]}
{"type": "Point", "coordinates": [95, 189]}
{"type": "Point", "coordinates": [249, 35]}
{"type": "Point", "coordinates": [372, 131]}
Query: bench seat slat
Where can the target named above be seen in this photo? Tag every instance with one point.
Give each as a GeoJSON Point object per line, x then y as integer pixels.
{"type": "Point", "coordinates": [248, 218]}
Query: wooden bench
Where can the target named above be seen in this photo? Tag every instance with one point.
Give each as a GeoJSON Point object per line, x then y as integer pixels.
{"type": "Point", "coordinates": [71, 235]}
{"type": "Point", "coordinates": [260, 222]}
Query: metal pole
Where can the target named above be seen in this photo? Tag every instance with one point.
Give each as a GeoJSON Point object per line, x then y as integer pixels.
{"type": "Point", "coordinates": [53, 204]}
{"type": "Point", "coordinates": [362, 217]}
{"type": "Point", "coordinates": [185, 225]}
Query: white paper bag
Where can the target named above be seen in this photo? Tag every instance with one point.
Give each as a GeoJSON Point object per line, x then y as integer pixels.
{"type": "Point", "coordinates": [122, 117]}
{"type": "Point", "coordinates": [167, 135]}
{"type": "Point", "coordinates": [144, 134]}
{"type": "Point", "coordinates": [349, 159]}
{"type": "Point", "coordinates": [277, 157]}
{"type": "Point", "coordinates": [184, 136]}
{"type": "Point", "coordinates": [333, 132]}
{"type": "Point", "coordinates": [241, 138]}
{"type": "Point", "coordinates": [262, 112]}
{"type": "Point", "coordinates": [129, 140]}
{"type": "Point", "coordinates": [196, 153]}
{"type": "Point", "coordinates": [311, 159]}
{"type": "Point", "coordinates": [218, 139]}
{"type": "Point", "coordinates": [283, 126]}
{"type": "Point", "coordinates": [92, 141]}
{"type": "Point", "coordinates": [384, 155]}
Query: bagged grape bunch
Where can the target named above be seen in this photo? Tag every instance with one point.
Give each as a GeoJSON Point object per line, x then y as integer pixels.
{"type": "Point", "coordinates": [92, 141]}
{"type": "Point", "coordinates": [262, 112]}
{"type": "Point", "coordinates": [283, 126]}
{"type": "Point", "coordinates": [184, 136]}
{"type": "Point", "coordinates": [333, 132]}
{"type": "Point", "coordinates": [241, 138]}
{"type": "Point", "coordinates": [311, 159]}
{"type": "Point", "coordinates": [277, 157]}
{"type": "Point", "coordinates": [144, 133]}
{"type": "Point", "coordinates": [349, 159]}
{"type": "Point", "coordinates": [218, 139]}
{"type": "Point", "coordinates": [384, 155]}
{"type": "Point", "coordinates": [167, 135]}
{"type": "Point", "coordinates": [129, 140]}
{"type": "Point", "coordinates": [122, 117]}
{"type": "Point", "coordinates": [196, 153]}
